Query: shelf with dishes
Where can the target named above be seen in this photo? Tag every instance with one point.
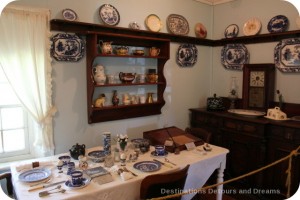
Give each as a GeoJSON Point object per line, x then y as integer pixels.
{"type": "Point", "coordinates": [87, 28]}
{"type": "Point", "coordinates": [120, 107]}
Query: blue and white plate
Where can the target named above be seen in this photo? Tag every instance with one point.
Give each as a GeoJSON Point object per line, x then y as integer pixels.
{"type": "Point", "coordinates": [234, 56]}
{"type": "Point", "coordinates": [231, 31]}
{"type": "Point", "coordinates": [147, 166]}
{"type": "Point", "coordinates": [69, 14]}
{"type": "Point", "coordinates": [35, 175]}
{"type": "Point", "coordinates": [187, 55]}
{"type": "Point", "coordinates": [286, 55]}
{"type": "Point", "coordinates": [153, 153]}
{"type": "Point", "coordinates": [67, 47]}
{"type": "Point", "coordinates": [85, 182]}
{"type": "Point", "coordinates": [278, 23]}
{"type": "Point", "coordinates": [109, 14]}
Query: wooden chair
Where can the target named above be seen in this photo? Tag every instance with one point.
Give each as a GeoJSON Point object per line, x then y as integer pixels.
{"type": "Point", "coordinates": [9, 186]}
{"type": "Point", "coordinates": [159, 185]}
{"type": "Point", "coordinates": [200, 133]}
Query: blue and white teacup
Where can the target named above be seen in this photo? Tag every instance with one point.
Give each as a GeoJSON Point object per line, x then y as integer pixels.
{"type": "Point", "coordinates": [160, 150]}
{"type": "Point", "coordinates": [77, 178]}
{"type": "Point", "coordinates": [71, 168]}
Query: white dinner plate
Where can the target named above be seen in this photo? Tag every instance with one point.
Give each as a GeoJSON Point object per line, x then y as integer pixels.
{"type": "Point", "coordinates": [153, 23]}
{"type": "Point", "coordinates": [247, 113]}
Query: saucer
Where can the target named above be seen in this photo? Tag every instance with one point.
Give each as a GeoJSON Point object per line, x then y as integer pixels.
{"type": "Point", "coordinates": [153, 153]}
{"type": "Point", "coordinates": [84, 183]}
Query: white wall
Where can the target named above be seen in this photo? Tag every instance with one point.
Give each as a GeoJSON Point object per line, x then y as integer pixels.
{"type": "Point", "coordinates": [238, 12]}
{"type": "Point", "coordinates": [186, 87]}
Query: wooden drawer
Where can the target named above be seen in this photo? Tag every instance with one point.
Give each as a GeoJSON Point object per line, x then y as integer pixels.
{"type": "Point", "coordinates": [206, 119]}
{"type": "Point", "coordinates": [244, 127]}
{"type": "Point", "coordinates": [284, 133]}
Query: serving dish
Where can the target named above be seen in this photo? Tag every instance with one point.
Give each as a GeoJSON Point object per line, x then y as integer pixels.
{"type": "Point", "coordinates": [278, 23]}
{"type": "Point", "coordinates": [286, 57]}
{"type": "Point", "coordinates": [153, 23]}
{"type": "Point", "coordinates": [109, 14]}
{"type": "Point", "coordinates": [252, 27]}
{"type": "Point", "coordinates": [234, 56]}
{"type": "Point", "coordinates": [35, 175]}
{"type": "Point", "coordinates": [97, 156]}
{"type": "Point", "coordinates": [246, 113]}
{"type": "Point", "coordinates": [231, 31]}
{"type": "Point", "coordinates": [187, 55]}
{"type": "Point", "coordinates": [147, 166]}
{"type": "Point", "coordinates": [67, 47]}
{"type": "Point", "coordinates": [296, 118]}
{"type": "Point", "coordinates": [69, 14]}
{"type": "Point", "coordinates": [177, 24]}
{"type": "Point", "coordinates": [200, 30]}
{"type": "Point", "coordinates": [268, 117]}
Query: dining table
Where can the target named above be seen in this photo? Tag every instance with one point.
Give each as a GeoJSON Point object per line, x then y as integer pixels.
{"type": "Point", "coordinates": [202, 165]}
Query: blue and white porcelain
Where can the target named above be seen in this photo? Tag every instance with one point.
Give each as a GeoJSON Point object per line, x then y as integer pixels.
{"type": "Point", "coordinates": [69, 14]}
{"type": "Point", "coordinates": [85, 182]}
{"type": "Point", "coordinates": [67, 47]}
{"type": "Point", "coordinates": [109, 14]}
{"type": "Point", "coordinates": [147, 166]}
{"type": "Point", "coordinates": [234, 56]}
{"type": "Point", "coordinates": [35, 175]}
{"type": "Point", "coordinates": [287, 55]}
{"type": "Point", "coordinates": [278, 23]}
{"type": "Point", "coordinates": [231, 31]}
{"type": "Point", "coordinates": [107, 143]}
{"type": "Point", "coordinates": [177, 24]}
{"type": "Point", "coordinates": [187, 55]}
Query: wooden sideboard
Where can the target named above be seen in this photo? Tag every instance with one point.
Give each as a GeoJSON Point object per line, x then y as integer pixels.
{"type": "Point", "coordinates": [253, 143]}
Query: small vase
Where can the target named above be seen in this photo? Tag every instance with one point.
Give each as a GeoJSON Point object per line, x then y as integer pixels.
{"type": "Point", "coordinates": [115, 98]}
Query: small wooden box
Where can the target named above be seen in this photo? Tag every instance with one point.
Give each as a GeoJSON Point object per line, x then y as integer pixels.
{"type": "Point", "coordinates": [178, 136]}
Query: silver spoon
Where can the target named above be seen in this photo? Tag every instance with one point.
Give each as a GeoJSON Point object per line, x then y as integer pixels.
{"type": "Point", "coordinates": [167, 160]}
{"type": "Point", "coordinates": [46, 193]}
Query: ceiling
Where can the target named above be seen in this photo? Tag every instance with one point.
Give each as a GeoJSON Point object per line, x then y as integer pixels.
{"type": "Point", "coordinates": [214, 2]}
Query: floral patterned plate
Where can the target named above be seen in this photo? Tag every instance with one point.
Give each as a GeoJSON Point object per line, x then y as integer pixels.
{"type": "Point", "coordinates": [252, 27]}
{"type": "Point", "coordinates": [67, 47]}
{"type": "Point", "coordinates": [187, 55]}
{"type": "Point", "coordinates": [147, 166]}
{"type": "Point", "coordinates": [109, 14]}
{"type": "Point", "coordinates": [234, 56]}
{"type": "Point", "coordinates": [69, 14]}
{"type": "Point", "coordinates": [278, 23]}
{"type": "Point", "coordinates": [177, 24]}
{"type": "Point", "coordinates": [35, 175]}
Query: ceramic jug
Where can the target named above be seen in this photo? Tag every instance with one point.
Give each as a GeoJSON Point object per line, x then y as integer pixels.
{"type": "Point", "coordinates": [154, 51]}
{"type": "Point", "coordinates": [98, 74]}
{"type": "Point", "coordinates": [106, 47]}
{"type": "Point", "coordinates": [77, 150]}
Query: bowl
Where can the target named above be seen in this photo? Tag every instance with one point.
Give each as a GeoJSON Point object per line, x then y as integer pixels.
{"type": "Point", "coordinates": [97, 156]}
{"type": "Point", "coordinates": [127, 77]}
{"type": "Point", "coordinates": [138, 52]}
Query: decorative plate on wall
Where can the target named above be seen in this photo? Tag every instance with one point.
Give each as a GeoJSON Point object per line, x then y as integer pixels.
{"type": "Point", "coordinates": [177, 24]}
{"type": "Point", "coordinates": [109, 14]}
{"type": "Point", "coordinates": [69, 14]}
{"type": "Point", "coordinates": [234, 56]}
{"type": "Point", "coordinates": [278, 23]}
{"type": "Point", "coordinates": [231, 31]}
{"type": "Point", "coordinates": [200, 30]}
{"type": "Point", "coordinates": [252, 27]}
{"type": "Point", "coordinates": [153, 23]}
{"type": "Point", "coordinates": [287, 56]}
{"type": "Point", "coordinates": [187, 55]}
{"type": "Point", "coordinates": [67, 47]}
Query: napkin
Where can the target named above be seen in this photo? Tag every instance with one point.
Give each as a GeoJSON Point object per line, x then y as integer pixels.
{"type": "Point", "coordinates": [30, 165]}
{"type": "Point", "coordinates": [126, 176]}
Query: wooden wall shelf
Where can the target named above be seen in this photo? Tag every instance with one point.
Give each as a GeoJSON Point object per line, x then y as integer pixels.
{"type": "Point", "coordinates": [84, 28]}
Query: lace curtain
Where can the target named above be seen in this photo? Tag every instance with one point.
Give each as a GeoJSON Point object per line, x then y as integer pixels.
{"type": "Point", "coordinates": [26, 62]}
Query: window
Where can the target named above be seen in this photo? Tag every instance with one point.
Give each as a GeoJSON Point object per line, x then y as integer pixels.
{"type": "Point", "coordinates": [14, 137]}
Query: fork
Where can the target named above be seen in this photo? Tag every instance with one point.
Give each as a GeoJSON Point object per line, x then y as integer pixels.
{"type": "Point", "coordinates": [126, 170]}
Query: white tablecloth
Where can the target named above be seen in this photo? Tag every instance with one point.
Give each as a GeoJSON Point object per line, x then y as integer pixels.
{"type": "Point", "coordinates": [201, 167]}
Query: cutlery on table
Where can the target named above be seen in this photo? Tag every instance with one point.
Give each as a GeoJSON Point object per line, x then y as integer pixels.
{"type": "Point", "coordinates": [167, 160]}
{"type": "Point", "coordinates": [45, 186]}
{"type": "Point", "coordinates": [41, 182]}
{"type": "Point", "coordinates": [126, 170]}
{"type": "Point", "coordinates": [46, 193]}
{"type": "Point", "coordinates": [165, 164]}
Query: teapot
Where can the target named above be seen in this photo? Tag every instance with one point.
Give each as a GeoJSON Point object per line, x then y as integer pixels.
{"type": "Point", "coordinates": [106, 47]}
{"type": "Point", "coordinates": [98, 73]}
{"type": "Point", "coordinates": [127, 77]}
{"type": "Point", "coordinates": [122, 50]}
{"type": "Point", "coordinates": [77, 150]}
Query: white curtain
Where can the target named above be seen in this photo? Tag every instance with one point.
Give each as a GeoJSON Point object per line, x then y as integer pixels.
{"type": "Point", "coordinates": [26, 62]}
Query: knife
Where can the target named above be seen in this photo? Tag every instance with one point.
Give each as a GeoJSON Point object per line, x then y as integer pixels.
{"type": "Point", "coordinates": [45, 186]}
{"type": "Point", "coordinates": [165, 164]}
